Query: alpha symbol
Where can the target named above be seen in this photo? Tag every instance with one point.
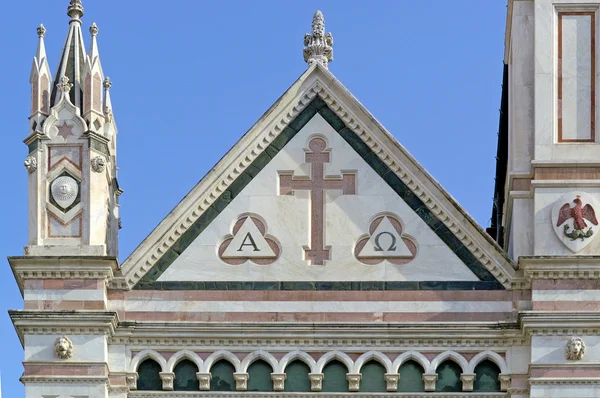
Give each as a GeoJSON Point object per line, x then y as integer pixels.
{"type": "Point", "coordinates": [248, 242]}
{"type": "Point", "coordinates": [251, 243]}
{"type": "Point", "coordinates": [378, 247]}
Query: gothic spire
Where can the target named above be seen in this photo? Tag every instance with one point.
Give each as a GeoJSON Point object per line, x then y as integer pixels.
{"type": "Point", "coordinates": [72, 60]}
{"type": "Point", "coordinates": [318, 45]}
{"type": "Point", "coordinates": [40, 82]}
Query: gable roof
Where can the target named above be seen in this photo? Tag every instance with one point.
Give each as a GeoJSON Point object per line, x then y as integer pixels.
{"type": "Point", "coordinates": [318, 91]}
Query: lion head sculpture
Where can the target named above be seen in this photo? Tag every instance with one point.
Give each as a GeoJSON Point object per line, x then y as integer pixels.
{"type": "Point", "coordinates": [575, 349]}
{"type": "Point", "coordinates": [63, 347]}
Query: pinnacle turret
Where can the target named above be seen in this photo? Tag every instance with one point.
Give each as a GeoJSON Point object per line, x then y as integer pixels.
{"type": "Point", "coordinates": [318, 45]}
{"type": "Point", "coordinates": [75, 9]}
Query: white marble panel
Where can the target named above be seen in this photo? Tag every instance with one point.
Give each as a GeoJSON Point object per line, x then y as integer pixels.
{"type": "Point", "coordinates": [347, 219]}
{"type": "Point", "coordinates": [570, 390]}
{"type": "Point", "coordinates": [74, 295]}
{"type": "Point", "coordinates": [86, 348]}
{"type": "Point", "coordinates": [565, 295]}
{"type": "Point", "coordinates": [575, 70]}
{"type": "Point", "coordinates": [551, 349]}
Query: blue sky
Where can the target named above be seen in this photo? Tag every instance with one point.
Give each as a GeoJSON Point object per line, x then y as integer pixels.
{"type": "Point", "coordinates": [190, 77]}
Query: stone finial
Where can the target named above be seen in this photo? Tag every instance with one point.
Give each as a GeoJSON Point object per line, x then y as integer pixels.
{"type": "Point", "coordinates": [41, 31]}
{"type": "Point", "coordinates": [94, 29]}
{"type": "Point", "coordinates": [64, 85]}
{"type": "Point", "coordinates": [107, 84]}
{"type": "Point", "coordinates": [318, 45]}
{"type": "Point", "coordinates": [75, 9]}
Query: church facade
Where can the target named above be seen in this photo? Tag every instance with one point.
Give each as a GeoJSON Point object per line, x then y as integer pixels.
{"type": "Point", "coordinates": [318, 258]}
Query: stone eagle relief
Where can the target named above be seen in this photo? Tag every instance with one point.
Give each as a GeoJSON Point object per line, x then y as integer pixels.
{"type": "Point", "coordinates": [574, 220]}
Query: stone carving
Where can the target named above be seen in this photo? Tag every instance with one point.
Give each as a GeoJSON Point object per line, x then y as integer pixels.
{"type": "Point", "coordinates": [278, 381]}
{"type": "Point", "coordinates": [249, 241]}
{"type": "Point", "coordinates": [75, 10]}
{"type": "Point", "coordinates": [241, 381]}
{"type": "Point", "coordinates": [353, 381]}
{"type": "Point", "coordinates": [41, 31]}
{"type": "Point", "coordinates": [391, 381]}
{"type": "Point", "coordinates": [64, 191]}
{"type": "Point", "coordinates": [505, 382]}
{"type": "Point", "coordinates": [64, 85]}
{"type": "Point", "coordinates": [131, 380]}
{"type": "Point", "coordinates": [317, 155]}
{"type": "Point", "coordinates": [167, 380]}
{"type": "Point", "coordinates": [65, 130]}
{"type": "Point", "coordinates": [63, 347]}
{"type": "Point", "coordinates": [318, 45]}
{"type": "Point", "coordinates": [316, 381]}
{"type": "Point", "coordinates": [385, 241]}
{"type": "Point", "coordinates": [574, 219]}
{"type": "Point", "coordinates": [429, 380]}
{"type": "Point", "coordinates": [575, 350]}
{"type": "Point", "coordinates": [94, 29]}
{"type": "Point", "coordinates": [30, 164]}
{"type": "Point", "coordinates": [98, 164]}
{"type": "Point", "coordinates": [467, 381]}
{"type": "Point", "coordinates": [204, 379]}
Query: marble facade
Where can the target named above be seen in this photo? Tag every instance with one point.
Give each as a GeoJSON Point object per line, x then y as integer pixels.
{"type": "Point", "coordinates": [319, 238]}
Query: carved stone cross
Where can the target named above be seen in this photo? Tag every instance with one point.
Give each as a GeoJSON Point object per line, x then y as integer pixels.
{"type": "Point", "coordinates": [317, 253]}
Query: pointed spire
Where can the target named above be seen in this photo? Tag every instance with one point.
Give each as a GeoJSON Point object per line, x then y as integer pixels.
{"type": "Point", "coordinates": [40, 81]}
{"type": "Point", "coordinates": [41, 50]}
{"type": "Point", "coordinates": [107, 106]}
{"type": "Point", "coordinates": [94, 53]}
{"type": "Point", "coordinates": [72, 60]}
{"type": "Point", "coordinates": [318, 45]}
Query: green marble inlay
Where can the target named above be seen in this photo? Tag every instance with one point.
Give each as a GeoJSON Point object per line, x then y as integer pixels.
{"type": "Point", "coordinates": [411, 377]}
{"type": "Point", "coordinates": [373, 379]}
{"type": "Point", "coordinates": [487, 280]}
{"type": "Point", "coordinates": [148, 376]}
{"type": "Point", "coordinates": [99, 146]}
{"type": "Point", "coordinates": [185, 376]}
{"type": "Point", "coordinates": [297, 377]}
{"type": "Point", "coordinates": [222, 376]}
{"type": "Point", "coordinates": [448, 377]}
{"type": "Point", "coordinates": [334, 377]}
{"type": "Point", "coordinates": [486, 377]}
{"type": "Point", "coordinates": [33, 146]}
{"type": "Point", "coordinates": [259, 376]}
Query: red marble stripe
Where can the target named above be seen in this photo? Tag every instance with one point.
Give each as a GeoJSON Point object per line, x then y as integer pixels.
{"type": "Point", "coordinates": [65, 370]}
{"type": "Point", "coordinates": [315, 316]}
{"type": "Point", "coordinates": [64, 305]}
{"type": "Point", "coordinates": [566, 371]}
{"type": "Point", "coordinates": [566, 305]}
{"type": "Point", "coordinates": [308, 295]}
{"type": "Point", "coordinates": [565, 284]}
{"type": "Point", "coordinates": [63, 284]}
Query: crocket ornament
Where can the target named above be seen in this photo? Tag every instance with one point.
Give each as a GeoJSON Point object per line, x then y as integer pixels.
{"type": "Point", "coordinates": [574, 220]}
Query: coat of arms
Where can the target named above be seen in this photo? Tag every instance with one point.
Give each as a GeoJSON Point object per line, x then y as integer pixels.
{"type": "Point", "coordinates": [574, 220]}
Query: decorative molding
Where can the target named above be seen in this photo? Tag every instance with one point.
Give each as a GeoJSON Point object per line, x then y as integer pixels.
{"type": "Point", "coordinates": [131, 380]}
{"type": "Point", "coordinates": [467, 381]}
{"type": "Point", "coordinates": [241, 381]}
{"type": "Point", "coordinates": [316, 381]}
{"type": "Point", "coordinates": [429, 379]}
{"type": "Point", "coordinates": [560, 267]}
{"type": "Point", "coordinates": [560, 381]}
{"type": "Point", "coordinates": [204, 380]}
{"type": "Point", "coordinates": [353, 381]}
{"type": "Point", "coordinates": [391, 381]}
{"type": "Point", "coordinates": [168, 379]}
{"type": "Point", "coordinates": [505, 382]}
{"type": "Point", "coordinates": [137, 265]}
{"type": "Point", "coordinates": [218, 394]}
{"type": "Point", "coordinates": [63, 347]}
{"type": "Point", "coordinates": [30, 164]}
{"type": "Point", "coordinates": [318, 44]}
{"type": "Point", "coordinates": [278, 381]}
{"type": "Point", "coordinates": [98, 164]}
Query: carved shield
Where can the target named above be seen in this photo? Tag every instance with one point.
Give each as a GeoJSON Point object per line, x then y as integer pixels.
{"type": "Point", "coordinates": [575, 221]}
{"type": "Point", "coordinates": [64, 191]}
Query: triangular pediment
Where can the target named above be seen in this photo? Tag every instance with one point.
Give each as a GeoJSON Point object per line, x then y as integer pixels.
{"type": "Point", "coordinates": [317, 195]}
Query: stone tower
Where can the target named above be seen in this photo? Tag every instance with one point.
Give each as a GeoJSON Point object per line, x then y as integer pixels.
{"type": "Point", "coordinates": [73, 190]}
{"type": "Point", "coordinates": [73, 222]}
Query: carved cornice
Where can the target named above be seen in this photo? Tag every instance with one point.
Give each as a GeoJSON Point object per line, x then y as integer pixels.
{"type": "Point", "coordinates": [560, 267]}
{"type": "Point", "coordinates": [67, 267]}
{"type": "Point", "coordinates": [559, 323]}
{"type": "Point", "coordinates": [64, 379]}
{"type": "Point", "coordinates": [564, 381]}
{"type": "Point", "coordinates": [64, 322]}
{"type": "Point", "coordinates": [206, 394]}
{"type": "Point", "coordinates": [144, 258]}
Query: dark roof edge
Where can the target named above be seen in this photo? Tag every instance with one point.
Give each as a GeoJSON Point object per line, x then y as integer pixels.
{"type": "Point", "coordinates": [496, 229]}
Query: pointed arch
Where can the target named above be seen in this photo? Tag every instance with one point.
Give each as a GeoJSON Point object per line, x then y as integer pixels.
{"type": "Point", "coordinates": [408, 355]}
{"type": "Point", "coordinates": [185, 354]}
{"type": "Point", "coordinates": [260, 354]}
{"type": "Point", "coordinates": [340, 356]}
{"type": "Point", "coordinates": [299, 355]}
{"type": "Point", "coordinates": [218, 355]}
{"type": "Point", "coordinates": [372, 355]}
{"type": "Point", "coordinates": [490, 355]}
{"type": "Point", "coordinates": [143, 355]}
{"type": "Point", "coordinates": [453, 355]}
